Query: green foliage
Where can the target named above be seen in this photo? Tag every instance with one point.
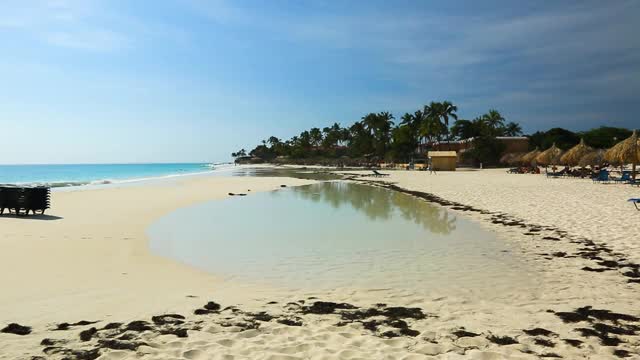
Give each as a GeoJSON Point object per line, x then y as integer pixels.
{"type": "Point", "coordinates": [376, 136]}
{"type": "Point", "coordinates": [240, 153]}
{"type": "Point", "coordinates": [486, 150]}
{"type": "Point", "coordinates": [404, 143]}
{"type": "Point", "coordinates": [605, 137]}
{"type": "Point", "coordinates": [563, 138]}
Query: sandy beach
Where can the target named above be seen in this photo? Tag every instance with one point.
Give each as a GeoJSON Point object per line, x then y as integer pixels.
{"type": "Point", "coordinates": [88, 260]}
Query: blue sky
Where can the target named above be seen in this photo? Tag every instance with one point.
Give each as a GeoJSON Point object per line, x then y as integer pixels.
{"type": "Point", "coordinates": [192, 80]}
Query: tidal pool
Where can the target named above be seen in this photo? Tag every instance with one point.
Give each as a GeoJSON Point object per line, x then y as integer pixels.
{"type": "Point", "coordinates": [337, 234]}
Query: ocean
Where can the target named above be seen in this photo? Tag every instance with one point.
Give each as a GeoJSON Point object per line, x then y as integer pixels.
{"type": "Point", "coordinates": [85, 174]}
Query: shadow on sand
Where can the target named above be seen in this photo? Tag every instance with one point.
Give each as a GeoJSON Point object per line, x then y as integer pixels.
{"type": "Point", "coordinates": [32, 217]}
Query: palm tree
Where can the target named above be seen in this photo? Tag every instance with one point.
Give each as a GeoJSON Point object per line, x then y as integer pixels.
{"type": "Point", "coordinates": [431, 128]}
{"type": "Point", "coordinates": [447, 109]}
{"type": "Point", "coordinates": [441, 112]}
{"type": "Point", "coordinates": [379, 126]}
{"type": "Point", "coordinates": [465, 129]}
{"type": "Point", "coordinates": [512, 129]}
{"type": "Point", "coordinates": [493, 119]}
{"type": "Point", "coordinates": [273, 141]}
{"type": "Point", "coordinates": [316, 136]}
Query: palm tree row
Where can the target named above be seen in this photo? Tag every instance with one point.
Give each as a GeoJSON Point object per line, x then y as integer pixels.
{"type": "Point", "coordinates": [377, 135]}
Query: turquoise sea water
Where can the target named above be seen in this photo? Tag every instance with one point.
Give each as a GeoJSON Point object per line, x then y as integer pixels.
{"type": "Point", "coordinates": [82, 174]}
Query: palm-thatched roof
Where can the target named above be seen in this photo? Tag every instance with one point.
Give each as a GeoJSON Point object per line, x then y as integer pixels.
{"type": "Point", "coordinates": [573, 155]}
{"type": "Point", "coordinates": [551, 156]}
{"type": "Point", "coordinates": [595, 157]}
{"type": "Point", "coordinates": [625, 152]}
{"type": "Point", "coordinates": [530, 157]}
{"type": "Point", "coordinates": [511, 158]}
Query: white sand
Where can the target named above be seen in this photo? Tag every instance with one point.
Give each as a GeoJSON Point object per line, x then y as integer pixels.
{"type": "Point", "coordinates": [93, 264]}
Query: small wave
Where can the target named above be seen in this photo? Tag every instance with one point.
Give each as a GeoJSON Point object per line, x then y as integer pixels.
{"type": "Point", "coordinates": [57, 184]}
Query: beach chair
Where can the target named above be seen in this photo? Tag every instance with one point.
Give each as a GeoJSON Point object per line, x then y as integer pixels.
{"type": "Point", "coordinates": [636, 202]}
{"type": "Point", "coordinates": [3, 200]}
{"type": "Point", "coordinates": [626, 177]}
{"type": "Point", "coordinates": [377, 174]}
{"type": "Point", "coordinates": [603, 176]}
{"type": "Point", "coordinates": [37, 199]}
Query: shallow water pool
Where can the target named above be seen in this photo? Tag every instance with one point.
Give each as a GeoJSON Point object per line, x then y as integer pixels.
{"type": "Point", "coordinates": [337, 234]}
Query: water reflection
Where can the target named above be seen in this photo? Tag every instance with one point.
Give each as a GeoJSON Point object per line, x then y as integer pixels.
{"type": "Point", "coordinates": [379, 204]}
{"type": "Point", "coordinates": [334, 234]}
{"type": "Point", "coordinates": [296, 173]}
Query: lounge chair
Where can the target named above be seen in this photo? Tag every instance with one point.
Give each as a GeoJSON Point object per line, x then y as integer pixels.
{"type": "Point", "coordinates": [626, 177]}
{"type": "Point", "coordinates": [560, 173]}
{"type": "Point", "coordinates": [377, 174]}
{"type": "Point", "coordinates": [635, 202]}
{"type": "Point", "coordinates": [603, 176]}
{"type": "Point", "coordinates": [18, 199]}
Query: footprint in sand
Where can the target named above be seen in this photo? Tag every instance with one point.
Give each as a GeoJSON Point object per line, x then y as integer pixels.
{"type": "Point", "coordinates": [116, 355]}
{"type": "Point", "coordinates": [194, 354]}
{"type": "Point", "coordinates": [227, 342]}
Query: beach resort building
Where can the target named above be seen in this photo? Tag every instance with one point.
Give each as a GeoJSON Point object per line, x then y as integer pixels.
{"type": "Point", "coordinates": [443, 160]}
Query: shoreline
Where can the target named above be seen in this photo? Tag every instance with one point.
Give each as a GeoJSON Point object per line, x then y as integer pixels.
{"type": "Point", "coordinates": [166, 286]}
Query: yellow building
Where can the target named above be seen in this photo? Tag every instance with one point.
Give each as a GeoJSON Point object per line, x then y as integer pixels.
{"type": "Point", "coordinates": [443, 160]}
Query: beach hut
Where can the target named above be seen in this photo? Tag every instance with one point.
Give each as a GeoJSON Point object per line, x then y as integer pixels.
{"type": "Point", "coordinates": [443, 160]}
{"type": "Point", "coordinates": [626, 152]}
{"type": "Point", "coordinates": [529, 159]}
{"type": "Point", "coordinates": [551, 156]}
{"type": "Point", "coordinates": [572, 156]}
{"type": "Point", "coordinates": [593, 158]}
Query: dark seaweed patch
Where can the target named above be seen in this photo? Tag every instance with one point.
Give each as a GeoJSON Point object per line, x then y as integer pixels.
{"type": "Point", "coordinates": [539, 332]}
{"type": "Point", "coordinates": [544, 342]}
{"type": "Point", "coordinates": [86, 335]}
{"type": "Point", "coordinates": [502, 340]}
{"type": "Point", "coordinates": [325, 307]}
{"type": "Point", "coordinates": [573, 342]}
{"type": "Point", "coordinates": [167, 319]}
{"type": "Point", "coordinates": [16, 329]}
{"type": "Point", "coordinates": [621, 353]}
{"type": "Point", "coordinates": [290, 322]}
{"type": "Point", "coordinates": [464, 333]}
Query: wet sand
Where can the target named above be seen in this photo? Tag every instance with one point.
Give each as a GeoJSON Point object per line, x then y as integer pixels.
{"type": "Point", "coordinates": [92, 263]}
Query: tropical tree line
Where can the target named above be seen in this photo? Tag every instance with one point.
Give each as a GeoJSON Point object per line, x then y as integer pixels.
{"type": "Point", "coordinates": [382, 136]}
{"type": "Point", "coordinates": [603, 137]}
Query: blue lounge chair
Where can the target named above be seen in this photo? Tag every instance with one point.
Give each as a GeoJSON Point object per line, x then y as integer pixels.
{"type": "Point", "coordinates": [603, 176]}
{"type": "Point", "coordinates": [635, 202]}
{"type": "Point", "coordinates": [626, 177]}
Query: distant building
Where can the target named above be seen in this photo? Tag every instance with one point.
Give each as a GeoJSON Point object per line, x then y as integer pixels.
{"type": "Point", "coordinates": [512, 144]}
{"type": "Point", "coordinates": [443, 160]}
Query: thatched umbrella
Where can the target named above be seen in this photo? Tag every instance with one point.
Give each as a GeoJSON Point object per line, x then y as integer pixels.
{"type": "Point", "coordinates": [510, 158]}
{"type": "Point", "coordinates": [625, 152]}
{"type": "Point", "coordinates": [516, 158]}
{"type": "Point", "coordinates": [530, 157]}
{"type": "Point", "coordinates": [551, 156]}
{"type": "Point", "coordinates": [573, 155]}
{"type": "Point", "coordinates": [595, 157]}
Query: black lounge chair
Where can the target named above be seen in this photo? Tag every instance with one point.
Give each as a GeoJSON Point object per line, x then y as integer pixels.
{"type": "Point", "coordinates": [27, 199]}
{"type": "Point", "coordinates": [377, 174]}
